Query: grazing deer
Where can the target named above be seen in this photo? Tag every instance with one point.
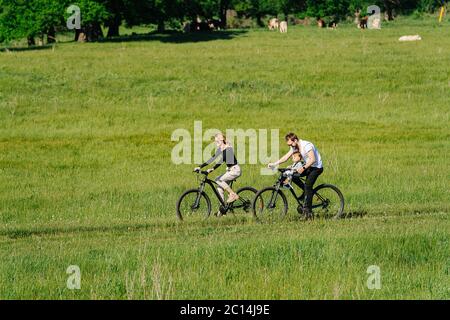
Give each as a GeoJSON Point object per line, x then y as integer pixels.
{"type": "Point", "coordinates": [320, 22]}
{"type": "Point", "coordinates": [332, 24]}
{"type": "Point", "coordinates": [363, 23]}
{"type": "Point", "coordinates": [357, 18]}
{"type": "Point", "coordinates": [283, 26]}
{"type": "Point", "coordinates": [273, 24]}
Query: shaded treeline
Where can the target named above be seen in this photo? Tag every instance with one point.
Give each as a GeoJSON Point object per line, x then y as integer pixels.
{"type": "Point", "coordinates": [40, 20]}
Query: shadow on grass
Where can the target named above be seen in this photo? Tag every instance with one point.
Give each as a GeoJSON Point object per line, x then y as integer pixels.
{"type": "Point", "coordinates": [31, 48]}
{"type": "Point", "coordinates": [178, 37]}
{"type": "Point", "coordinates": [201, 226]}
{"type": "Point", "coordinates": [18, 233]}
{"type": "Point", "coordinates": [25, 233]}
{"type": "Point", "coordinates": [346, 215]}
{"type": "Point", "coordinates": [354, 214]}
{"type": "Point", "coordinates": [165, 37]}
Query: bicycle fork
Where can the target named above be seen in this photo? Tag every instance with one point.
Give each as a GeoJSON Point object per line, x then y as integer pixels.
{"type": "Point", "coordinates": [273, 198]}
{"type": "Point", "coordinates": [199, 194]}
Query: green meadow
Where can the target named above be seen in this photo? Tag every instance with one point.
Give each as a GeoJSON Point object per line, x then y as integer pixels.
{"type": "Point", "coordinates": [86, 176]}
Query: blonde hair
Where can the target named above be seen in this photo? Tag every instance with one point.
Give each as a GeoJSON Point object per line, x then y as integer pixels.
{"type": "Point", "coordinates": [224, 138]}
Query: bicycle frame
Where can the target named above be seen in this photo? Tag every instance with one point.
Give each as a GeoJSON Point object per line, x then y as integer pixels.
{"type": "Point", "coordinates": [205, 181]}
{"type": "Point", "coordinates": [278, 184]}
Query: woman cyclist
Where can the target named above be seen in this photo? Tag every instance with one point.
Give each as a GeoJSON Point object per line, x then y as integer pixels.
{"type": "Point", "coordinates": [226, 152]}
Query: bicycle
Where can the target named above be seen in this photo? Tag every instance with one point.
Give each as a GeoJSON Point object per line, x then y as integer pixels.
{"type": "Point", "coordinates": [328, 201]}
{"type": "Point", "coordinates": [196, 203]}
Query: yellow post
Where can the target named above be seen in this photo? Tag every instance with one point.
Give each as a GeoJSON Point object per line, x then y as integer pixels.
{"type": "Point", "coordinates": [441, 14]}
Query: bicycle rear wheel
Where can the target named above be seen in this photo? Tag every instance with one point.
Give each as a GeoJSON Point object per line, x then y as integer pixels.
{"type": "Point", "coordinates": [244, 203]}
{"type": "Point", "coordinates": [270, 205]}
{"type": "Point", "coordinates": [193, 205]}
{"type": "Point", "coordinates": [328, 202]}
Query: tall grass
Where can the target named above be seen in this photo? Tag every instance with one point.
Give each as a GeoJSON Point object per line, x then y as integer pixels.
{"type": "Point", "coordinates": [86, 176]}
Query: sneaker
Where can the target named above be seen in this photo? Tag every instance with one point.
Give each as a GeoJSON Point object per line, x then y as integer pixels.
{"type": "Point", "coordinates": [308, 214]}
{"type": "Point", "coordinates": [221, 212]}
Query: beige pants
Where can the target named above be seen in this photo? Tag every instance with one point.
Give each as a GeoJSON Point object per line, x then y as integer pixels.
{"type": "Point", "coordinates": [232, 173]}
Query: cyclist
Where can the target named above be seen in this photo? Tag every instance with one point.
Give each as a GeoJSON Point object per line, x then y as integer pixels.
{"type": "Point", "coordinates": [225, 150]}
{"type": "Point", "coordinates": [297, 163]}
{"type": "Point", "coordinates": [311, 169]}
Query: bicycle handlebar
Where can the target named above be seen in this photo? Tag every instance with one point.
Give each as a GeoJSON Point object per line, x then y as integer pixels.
{"type": "Point", "coordinates": [202, 172]}
{"type": "Point", "coordinates": [283, 170]}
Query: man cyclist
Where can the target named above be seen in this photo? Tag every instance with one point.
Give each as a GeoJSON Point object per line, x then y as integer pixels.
{"type": "Point", "coordinates": [311, 169]}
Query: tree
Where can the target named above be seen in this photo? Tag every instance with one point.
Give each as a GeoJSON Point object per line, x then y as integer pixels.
{"type": "Point", "coordinates": [224, 5]}
{"type": "Point", "coordinates": [389, 7]}
{"type": "Point", "coordinates": [116, 9]}
{"type": "Point", "coordinates": [39, 18]}
{"type": "Point", "coordinates": [207, 9]}
{"type": "Point", "coordinates": [93, 14]}
{"type": "Point", "coordinates": [153, 11]}
{"type": "Point", "coordinates": [291, 6]}
{"type": "Point", "coordinates": [323, 8]}
{"type": "Point", "coordinates": [132, 12]}
{"type": "Point", "coordinates": [257, 8]}
{"type": "Point", "coordinates": [30, 19]}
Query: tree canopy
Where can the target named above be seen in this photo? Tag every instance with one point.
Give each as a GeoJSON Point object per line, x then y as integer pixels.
{"type": "Point", "coordinates": [42, 18]}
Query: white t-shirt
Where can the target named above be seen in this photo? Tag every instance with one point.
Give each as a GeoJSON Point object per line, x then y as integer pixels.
{"type": "Point", "coordinates": [305, 147]}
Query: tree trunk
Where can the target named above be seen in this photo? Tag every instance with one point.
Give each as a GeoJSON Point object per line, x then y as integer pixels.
{"type": "Point", "coordinates": [161, 26]}
{"type": "Point", "coordinates": [77, 34]}
{"type": "Point", "coordinates": [116, 8]}
{"type": "Point", "coordinates": [93, 32]}
{"type": "Point", "coordinates": [51, 35]}
{"type": "Point", "coordinates": [30, 41]}
{"type": "Point", "coordinates": [89, 32]}
{"type": "Point", "coordinates": [390, 14]}
{"type": "Point", "coordinates": [223, 7]}
{"type": "Point", "coordinates": [113, 26]}
{"type": "Point", "coordinates": [41, 40]}
{"type": "Point", "coordinates": [389, 6]}
{"type": "Point", "coordinates": [223, 18]}
{"type": "Point", "coordinates": [259, 20]}
{"type": "Point", "coordinates": [98, 30]}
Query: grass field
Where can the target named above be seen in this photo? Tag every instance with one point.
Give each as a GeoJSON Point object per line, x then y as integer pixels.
{"type": "Point", "coordinates": [86, 176]}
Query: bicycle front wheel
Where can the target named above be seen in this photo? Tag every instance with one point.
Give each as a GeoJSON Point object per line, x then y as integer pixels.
{"type": "Point", "coordinates": [193, 205]}
{"type": "Point", "coordinates": [270, 205]}
{"type": "Point", "coordinates": [327, 202]}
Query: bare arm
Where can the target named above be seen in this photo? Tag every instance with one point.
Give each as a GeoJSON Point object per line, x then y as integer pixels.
{"type": "Point", "coordinates": [282, 159]}
{"type": "Point", "coordinates": [210, 160]}
{"type": "Point", "coordinates": [311, 160]}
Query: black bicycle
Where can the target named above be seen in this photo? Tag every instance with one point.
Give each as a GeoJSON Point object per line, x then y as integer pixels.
{"type": "Point", "coordinates": [195, 203]}
{"type": "Point", "coordinates": [271, 203]}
